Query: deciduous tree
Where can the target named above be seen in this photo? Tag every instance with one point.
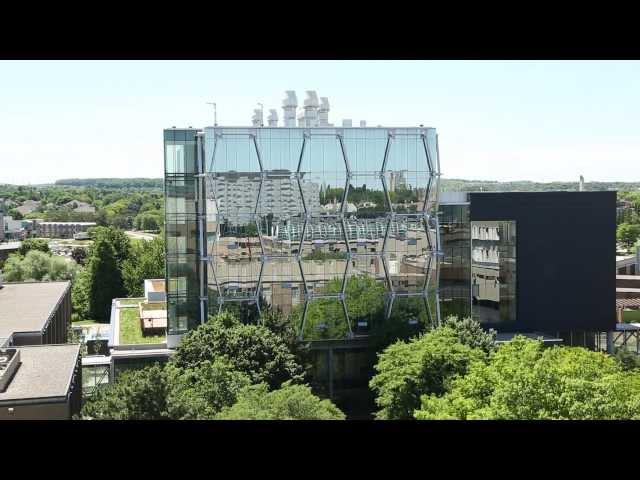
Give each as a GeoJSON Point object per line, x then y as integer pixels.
{"type": "Point", "coordinates": [524, 380]}
{"type": "Point", "coordinates": [290, 402]}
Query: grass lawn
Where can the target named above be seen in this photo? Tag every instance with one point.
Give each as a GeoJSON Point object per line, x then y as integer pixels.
{"type": "Point", "coordinates": [631, 316]}
{"type": "Point", "coordinates": [130, 301]}
{"type": "Point", "coordinates": [130, 330]}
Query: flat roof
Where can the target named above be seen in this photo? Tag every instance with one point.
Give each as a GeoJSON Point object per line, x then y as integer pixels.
{"type": "Point", "coordinates": [26, 307]}
{"type": "Point", "coordinates": [282, 127]}
{"type": "Point", "coordinates": [67, 223]}
{"type": "Point", "coordinates": [10, 245]}
{"type": "Point", "coordinates": [627, 290]}
{"type": "Point", "coordinates": [45, 371]}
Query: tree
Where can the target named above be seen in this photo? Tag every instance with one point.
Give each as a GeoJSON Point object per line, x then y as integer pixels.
{"type": "Point", "coordinates": [38, 266]}
{"type": "Point", "coordinates": [146, 260]}
{"type": "Point", "coordinates": [471, 333]}
{"type": "Point", "coordinates": [34, 244]}
{"type": "Point", "coordinates": [290, 402]}
{"type": "Point", "coordinates": [524, 380]}
{"type": "Point", "coordinates": [628, 360]}
{"type": "Point", "coordinates": [80, 293]}
{"type": "Point", "coordinates": [148, 220]}
{"type": "Point", "coordinates": [15, 214]}
{"type": "Point", "coordinates": [251, 349]}
{"type": "Point", "coordinates": [105, 279]}
{"type": "Point", "coordinates": [199, 393]}
{"type": "Point", "coordinates": [407, 370]}
{"type": "Point", "coordinates": [135, 395]}
{"type": "Point", "coordinates": [79, 254]}
{"type": "Point", "coordinates": [117, 238]}
{"type": "Point", "coordinates": [627, 234]}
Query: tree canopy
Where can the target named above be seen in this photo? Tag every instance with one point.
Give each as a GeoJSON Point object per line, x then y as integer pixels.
{"type": "Point", "coordinates": [104, 279]}
{"type": "Point", "coordinates": [627, 234]}
{"type": "Point", "coordinates": [136, 395]}
{"type": "Point", "coordinates": [38, 266]}
{"type": "Point", "coordinates": [33, 244]}
{"type": "Point", "coordinates": [146, 259]}
{"type": "Point", "coordinates": [290, 402]}
{"type": "Point", "coordinates": [406, 370]}
{"type": "Point", "coordinates": [524, 380]}
{"type": "Point", "coordinates": [204, 378]}
{"type": "Point", "coordinates": [251, 349]}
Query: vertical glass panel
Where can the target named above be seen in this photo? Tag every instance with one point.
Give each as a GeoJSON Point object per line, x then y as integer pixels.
{"type": "Point", "coordinates": [366, 198]}
{"type": "Point", "coordinates": [281, 286]}
{"type": "Point", "coordinates": [493, 271]}
{"type": "Point", "coordinates": [365, 149]}
{"type": "Point", "coordinates": [455, 266]}
{"type": "Point", "coordinates": [323, 164]}
{"type": "Point", "coordinates": [408, 253]}
{"type": "Point", "coordinates": [325, 318]}
{"type": "Point", "coordinates": [280, 148]}
{"type": "Point", "coordinates": [235, 152]}
{"type": "Point", "coordinates": [407, 317]}
{"type": "Point", "coordinates": [365, 294]}
{"type": "Point", "coordinates": [324, 253]}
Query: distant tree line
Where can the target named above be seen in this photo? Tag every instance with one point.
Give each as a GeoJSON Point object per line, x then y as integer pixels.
{"type": "Point", "coordinates": [127, 207]}
{"type": "Point", "coordinates": [112, 182]}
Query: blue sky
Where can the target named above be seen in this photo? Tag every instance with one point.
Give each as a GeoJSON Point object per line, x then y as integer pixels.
{"type": "Point", "coordinates": [497, 120]}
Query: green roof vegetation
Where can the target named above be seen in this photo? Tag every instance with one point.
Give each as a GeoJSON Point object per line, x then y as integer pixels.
{"type": "Point", "coordinates": [130, 301]}
{"type": "Point", "coordinates": [80, 323]}
{"type": "Point", "coordinates": [131, 331]}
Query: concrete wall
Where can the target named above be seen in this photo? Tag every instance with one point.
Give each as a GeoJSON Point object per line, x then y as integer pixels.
{"type": "Point", "coordinates": [43, 411]}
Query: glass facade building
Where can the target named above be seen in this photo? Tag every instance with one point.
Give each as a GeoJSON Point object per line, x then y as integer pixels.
{"type": "Point", "coordinates": [335, 227]}
{"type": "Point", "coordinates": [478, 269]}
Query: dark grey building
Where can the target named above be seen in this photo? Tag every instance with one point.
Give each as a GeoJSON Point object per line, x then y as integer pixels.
{"type": "Point", "coordinates": [34, 313]}
{"type": "Point", "coordinates": [530, 262]}
{"type": "Point", "coordinates": [40, 374]}
{"type": "Point", "coordinates": [40, 382]}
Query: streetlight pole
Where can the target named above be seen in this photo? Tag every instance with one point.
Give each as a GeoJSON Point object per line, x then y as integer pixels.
{"type": "Point", "coordinates": [261, 114]}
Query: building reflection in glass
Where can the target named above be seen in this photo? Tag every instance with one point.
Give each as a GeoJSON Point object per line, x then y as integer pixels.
{"type": "Point", "coordinates": [455, 268]}
{"type": "Point", "coordinates": [336, 228]}
{"type": "Point", "coordinates": [493, 271]}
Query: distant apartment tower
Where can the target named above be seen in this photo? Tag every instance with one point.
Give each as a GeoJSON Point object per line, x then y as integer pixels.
{"type": "Point", "coordinates": [246, 228]}
{"type": "Point", "coordinates": [62, 229]}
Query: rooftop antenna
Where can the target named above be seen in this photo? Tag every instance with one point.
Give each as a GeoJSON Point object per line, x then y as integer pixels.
{"type": "Point", "coordinates": [215, 113]}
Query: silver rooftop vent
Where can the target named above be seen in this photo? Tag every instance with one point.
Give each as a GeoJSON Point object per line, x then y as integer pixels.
{"type": "Point", "coordinates": [272, 119]}
{"type": "Point", "coordinates": [256, 120]}
{"type": "Point", "coordinates": [323, 112]}
{"type": "Point", "coordinates": [289, 105]}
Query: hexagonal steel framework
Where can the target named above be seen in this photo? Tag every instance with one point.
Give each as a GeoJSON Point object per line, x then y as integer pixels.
{"type": "Point", "coordinates": [262, 200]}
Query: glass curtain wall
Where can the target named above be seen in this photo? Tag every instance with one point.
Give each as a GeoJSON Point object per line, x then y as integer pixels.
{"type": "Point", "coordinates": [335, 227]}
{"type": "Point", "coordinates": [493, 271]}
{"type": "Point", "coordinates": [455, 268]}
{"type": "Point", "coordinates": [182, 232]}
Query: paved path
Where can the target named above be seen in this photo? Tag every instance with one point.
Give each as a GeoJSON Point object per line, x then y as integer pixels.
{"type": "Point", "coordinates": [141, 235]}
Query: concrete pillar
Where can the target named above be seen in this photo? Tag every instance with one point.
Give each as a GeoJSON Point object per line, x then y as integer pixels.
{"type": "Point", "coordinates": [330, 366]}
{"type": "Point", "coordinates": [610, 343]}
